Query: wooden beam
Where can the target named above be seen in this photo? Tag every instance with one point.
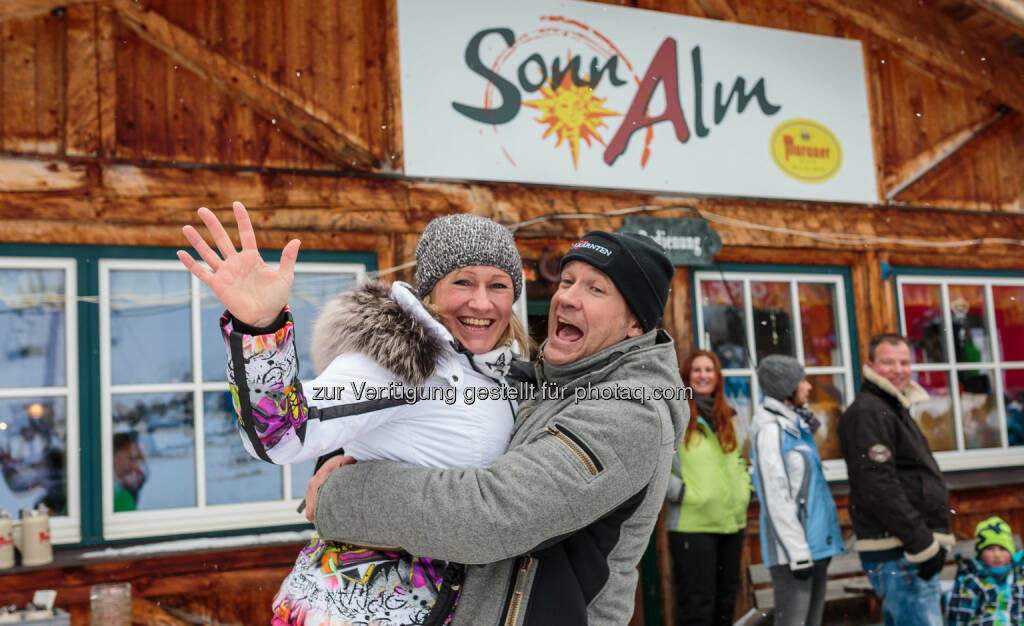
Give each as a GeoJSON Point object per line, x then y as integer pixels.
{"type": "Point", "coordinates": [273, 101]}
{"type": "Point", "coordinates": [17, 174]}
{"type": "Point", "coordinates": [916, 168]}
{"type": "Point", "coordinates": [968, 144]}
{"type": "Point", "coordinates": [27, 9]}
{"type": "Point", "coordinates": [131, 205]}
{"type": "Point", "coordinates": [937, 42]}
{"type": "Point", "coordinates": [1011, 10]}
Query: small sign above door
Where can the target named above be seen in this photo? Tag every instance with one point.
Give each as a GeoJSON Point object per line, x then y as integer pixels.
{"type": "Point", "coordinates": [689, 241]}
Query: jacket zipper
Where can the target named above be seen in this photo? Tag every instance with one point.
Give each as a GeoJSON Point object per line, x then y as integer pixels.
{"type": "Point", "coordinates": [588, 461]}
{"type": "Point", "coordinates": [516, 601]}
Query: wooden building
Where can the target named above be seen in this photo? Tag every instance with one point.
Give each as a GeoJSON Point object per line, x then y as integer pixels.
{"type": "Point", "coordinates": [118, 118]}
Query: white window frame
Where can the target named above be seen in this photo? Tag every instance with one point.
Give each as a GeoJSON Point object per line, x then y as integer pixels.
{"type": "Point", "coordinates": [834, 469]}
{"type": "Point", "coordinates": [982, 458]}
{"type": "Point", "coordinates": [202, 517]}
{"type": "Point", "coordinates": [63, 529]}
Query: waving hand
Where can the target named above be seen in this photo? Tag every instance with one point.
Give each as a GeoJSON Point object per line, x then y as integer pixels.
{"type": "Point", "coordinates": [249, 289]}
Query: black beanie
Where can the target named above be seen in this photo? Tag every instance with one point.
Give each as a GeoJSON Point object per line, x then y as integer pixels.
{"type": "Point", "coordinates": [636, 264]}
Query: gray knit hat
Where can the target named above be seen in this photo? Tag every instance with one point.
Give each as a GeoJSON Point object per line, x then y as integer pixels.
{"type": "Point", "coordinates": [779, 376]}
{"type": "Point", "coordinates": [455, 241]}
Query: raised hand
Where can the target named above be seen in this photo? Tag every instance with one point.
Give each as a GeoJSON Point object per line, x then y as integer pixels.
{"type": "Point", "coordinates": [249, 289]}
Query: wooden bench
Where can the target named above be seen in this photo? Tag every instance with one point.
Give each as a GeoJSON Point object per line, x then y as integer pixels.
{"type": "Point", "coordinates": [846, 579]}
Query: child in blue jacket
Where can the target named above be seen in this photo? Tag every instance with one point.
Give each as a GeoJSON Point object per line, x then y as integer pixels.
{"type": "Point", "coordinates": [989, 589]}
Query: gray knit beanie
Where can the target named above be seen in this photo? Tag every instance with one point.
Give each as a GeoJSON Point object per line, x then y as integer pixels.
{"type": "Point", "coordinates": [455, 241]}
{"type": "Point", "coordinates": [779, 376]}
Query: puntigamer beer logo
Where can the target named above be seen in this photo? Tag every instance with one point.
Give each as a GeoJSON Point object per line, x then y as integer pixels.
{"type": "Point", "coordinates": [806, 150]}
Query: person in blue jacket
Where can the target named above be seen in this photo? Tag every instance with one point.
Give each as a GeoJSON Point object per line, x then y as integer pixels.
{"type": "Point", "coordinates": [799, 526]}
{"type": "Point", "coordinates": [989, 589]}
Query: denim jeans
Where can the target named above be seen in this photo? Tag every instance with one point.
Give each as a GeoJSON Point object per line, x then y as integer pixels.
{"type": "Point", "coordinates": [906, 599]}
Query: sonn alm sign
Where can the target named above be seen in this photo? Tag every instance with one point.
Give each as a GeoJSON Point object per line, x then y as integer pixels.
{"type": "Point", "coordinates": [590, 95]}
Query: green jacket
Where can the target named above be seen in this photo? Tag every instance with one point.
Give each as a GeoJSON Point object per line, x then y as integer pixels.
{"type": "Point", "coordinates": [708, 490]}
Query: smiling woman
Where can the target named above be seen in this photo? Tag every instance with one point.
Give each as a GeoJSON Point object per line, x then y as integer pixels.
{"type": "Point", "coordinates": [369, 346]}
{"type": "Point", "coordinates": [475, 304]}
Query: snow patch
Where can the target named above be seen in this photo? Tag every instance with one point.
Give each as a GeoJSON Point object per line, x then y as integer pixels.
{"type": "Point", "coordinates": [207, 543]}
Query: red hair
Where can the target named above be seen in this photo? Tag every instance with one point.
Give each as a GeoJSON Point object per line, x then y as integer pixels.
{"type": "Point", "coordinates": [721, 413]}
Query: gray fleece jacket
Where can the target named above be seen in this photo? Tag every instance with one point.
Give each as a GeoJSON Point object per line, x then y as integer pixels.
{"type": "Point", "coordinates": [553, 529]}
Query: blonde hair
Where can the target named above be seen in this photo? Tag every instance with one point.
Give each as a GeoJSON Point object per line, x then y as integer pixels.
{"type": "Point", "coordinates": [514, 332]}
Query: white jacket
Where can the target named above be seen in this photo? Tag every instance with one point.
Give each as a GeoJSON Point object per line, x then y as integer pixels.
{"type": "Point", "coordinates": [356, 402]}
{"type": "Point", "coordinates": [780, 486]}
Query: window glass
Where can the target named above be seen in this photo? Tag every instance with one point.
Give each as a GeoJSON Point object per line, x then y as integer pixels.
{"type": "Point", "coordinates": [1013, 396]}
{"type": "Point", "coordinates": [980, 412]}
{"type": "Point", "coordinates": [1008, 303]}
{"type": "Point", "coordinates": [935, 415]}
{"type": "Point", "coordinates": [33, 432]}
{"type": "Point", "coordinates": [153, 444]}
{"type": "Point", "coordinates": [779, 306]}
{"type": "Point", "coordinates": [737, 394]}
{"type": "Point", "coordinates": [309, 293]}
{"type": "Point", "coordinates": [818, 324]}
{"type": "Point", "coordinates": [232, 474]}
{"type": "Point", "coordinates": [922, 312]}
{"type": "Point", "coordinates": [301, 473]}
{"type": "Point", "coordinates": [970, 353]}
{"type": "Point", "coordinates": [970, 329]}
{"type": "Point", "coordinates": [827, 402]}
{"type": "Point", "coordinates": [773, 318]}
{"type": "Point", "coordinates": [214, 350]}
{"type": "Point", "coordinates": [167, 453]}
{"type": "Point", "coordinates": [32, 316]}
{"type": "Point", "coordinates": [724, 325]}
{"type": "Point", "coordinates": [150, 327]}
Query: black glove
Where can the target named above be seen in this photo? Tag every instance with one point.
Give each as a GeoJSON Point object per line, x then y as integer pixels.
{"type": "Point", "coordinates": [803, 573]}
{"type": "Point", "coordinates": [932, 566]}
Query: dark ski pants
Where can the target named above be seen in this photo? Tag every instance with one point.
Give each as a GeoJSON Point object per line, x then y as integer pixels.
{"type": "Point", "coordinates": [706, 567]}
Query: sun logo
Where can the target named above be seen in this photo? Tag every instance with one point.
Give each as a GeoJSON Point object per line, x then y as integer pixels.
{"type": "Point", "coordinates": [573, 113]}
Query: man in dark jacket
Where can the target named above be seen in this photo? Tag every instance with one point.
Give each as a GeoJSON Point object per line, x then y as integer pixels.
{"type": "Point", "coordinates": [898, 499]}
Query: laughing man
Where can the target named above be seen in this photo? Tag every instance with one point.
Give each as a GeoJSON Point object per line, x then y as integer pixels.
{"type": "Point", "coordinates": [554, 529]}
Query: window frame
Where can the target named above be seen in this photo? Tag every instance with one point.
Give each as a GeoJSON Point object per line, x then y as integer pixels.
{"type": "Point", "coordinates": [963, 459]}
{"type": "Point", "coordinates": [87, 466]}
{"type": "Point", "coordinates": [63, 528]}
{"type": "Point", "coordinates": [840, 277]}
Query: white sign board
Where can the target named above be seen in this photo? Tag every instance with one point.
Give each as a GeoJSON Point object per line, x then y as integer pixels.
{"type": "Point", "coordinates": [591, 95]}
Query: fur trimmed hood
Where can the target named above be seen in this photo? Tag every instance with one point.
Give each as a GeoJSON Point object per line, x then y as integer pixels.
{"type": "Point", "coordinates": [913, 394]}
{"type": "Point", "coordinates": [375, 320]}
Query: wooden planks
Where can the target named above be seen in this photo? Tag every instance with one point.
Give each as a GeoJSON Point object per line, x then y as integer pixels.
{"type": "Point", "coordinates": [82, 120]}
{"type": "Point", "coordinates": [989, 186]}
{"type": "Point", "coordinates": [164, 195]}
{"type": "Point", "coordinates": [336, 62]}
{"type": "Point", "coordinates": [28, 9]}
{"type": "Point", "coordinates": [271, 99]}
{"type": "Point", "coordinates": [936, 43]}
{"type": "Point", "coordinates": [220, 586]}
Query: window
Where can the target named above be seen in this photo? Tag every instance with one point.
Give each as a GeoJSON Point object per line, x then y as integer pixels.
{"type": "Point", "coordinates": [744, 317]}
{"type": "Point", "coordinates": [967, 349]}
{"type": "Point", "coordinates": [172, 457]}
{"type": "Point", "coordinates": [39, 390]}
{"type": "Point", "coordinates": [117, 352]}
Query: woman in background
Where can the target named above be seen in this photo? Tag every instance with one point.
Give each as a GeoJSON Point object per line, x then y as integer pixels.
{"type": "Point", "coordinates": [799, 526]}
{"type": "Point", "coordinates": [708, 494]}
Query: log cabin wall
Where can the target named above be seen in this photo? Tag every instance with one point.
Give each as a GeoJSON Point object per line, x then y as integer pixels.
{"type": "Point", "coordinates": [118, 118]}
